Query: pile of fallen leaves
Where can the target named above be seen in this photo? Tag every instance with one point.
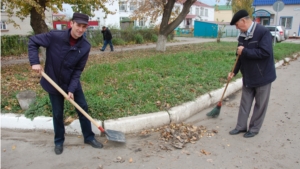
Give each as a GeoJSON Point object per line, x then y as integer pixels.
{"type": "Point", "coordinates": [179, 134]}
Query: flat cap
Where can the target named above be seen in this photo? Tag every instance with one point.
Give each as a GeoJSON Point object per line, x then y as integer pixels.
{"type": "Point", "coordinates": [237, 16]}
{"type": "Point", "coordinates": [80, 18]}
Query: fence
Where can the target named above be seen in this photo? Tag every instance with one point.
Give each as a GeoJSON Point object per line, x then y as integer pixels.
{"type": "Point", "coordinates": [231, 33]}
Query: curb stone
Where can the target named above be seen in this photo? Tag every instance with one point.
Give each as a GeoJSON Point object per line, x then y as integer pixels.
{"type": "Point", "coordinates": [135, 123]}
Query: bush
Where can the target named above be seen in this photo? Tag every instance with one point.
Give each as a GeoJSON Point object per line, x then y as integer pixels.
{"type": "Point", "coordinates": [14, 45]}
{"type": "Point", "coordinates": [95, 37]}
{"type": "Point", "coordinates": [139, 39]}
{"type": "Point", "coordinates": [154, 38]}
{"type": "Point", "coordinates": [118, 41]}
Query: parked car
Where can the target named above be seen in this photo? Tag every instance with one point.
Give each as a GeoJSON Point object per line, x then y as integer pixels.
{"type": "Point", "coordinates": [281, 33]}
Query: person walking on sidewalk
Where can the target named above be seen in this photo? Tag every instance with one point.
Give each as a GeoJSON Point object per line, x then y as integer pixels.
{"type": "Point", "coordinates": [107, 37]}
{"type": "Point", "coordinates": [67, 52]}
{"type": "Point", "coordinates": [256, 63]}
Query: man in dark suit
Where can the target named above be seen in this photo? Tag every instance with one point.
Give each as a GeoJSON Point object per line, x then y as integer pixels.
{"type": "Point", "coordinates": [256, 63]}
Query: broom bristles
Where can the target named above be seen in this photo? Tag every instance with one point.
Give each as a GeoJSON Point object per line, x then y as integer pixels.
{"type": "Point", "coordinates": [215, 112]}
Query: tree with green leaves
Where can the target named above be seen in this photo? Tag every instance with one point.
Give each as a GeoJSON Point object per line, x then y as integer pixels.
{"type": "Point", "coordinates": [35, 9]}
{"type": "Point", "coordinates": [241, 4]}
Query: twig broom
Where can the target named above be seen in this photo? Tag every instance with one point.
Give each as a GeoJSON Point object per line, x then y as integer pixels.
{"type": "Point", "coordinates": [216, 111]}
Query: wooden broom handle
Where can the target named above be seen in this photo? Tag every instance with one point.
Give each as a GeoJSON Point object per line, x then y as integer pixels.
{"type": "Point", "coordinates": [228, 80]}
{"type": "Point", "coordinates": [72, 101]}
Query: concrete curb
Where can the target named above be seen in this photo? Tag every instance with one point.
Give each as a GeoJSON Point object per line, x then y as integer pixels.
{"type": "Point", "coordinates": [16, 121]}
{"type": "Point", "coordinates": [134, 123]}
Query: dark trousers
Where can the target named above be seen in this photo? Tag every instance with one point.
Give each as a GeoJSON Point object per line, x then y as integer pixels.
{"type": "Point", "coordinates": [57, 102]}
{"type": "Point", "coordinates": [261, 95]}
{"type": "Point", "coordinates": [110, 44]}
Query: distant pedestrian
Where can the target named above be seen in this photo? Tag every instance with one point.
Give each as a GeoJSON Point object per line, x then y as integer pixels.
{"type": "Point", "coordinates": [256, 63]}
{"type": "Point", "coordinates": [66, 56]}
{"type": "Point", "coordinates": [107, 37]}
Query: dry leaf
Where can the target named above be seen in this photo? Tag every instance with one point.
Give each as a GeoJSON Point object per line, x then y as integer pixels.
{"type": "Point", "coordinates": [130, 160]}
{"type": "Point", "coordinates": [205, 152]}
{"type": "Point", "coordinates": [215, 131]}
{"type": "Point", "coordinates": [13, 147]}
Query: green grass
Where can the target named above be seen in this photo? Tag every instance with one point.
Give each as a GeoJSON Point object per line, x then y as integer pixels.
{"type": "Point", "coordinates": [144, 81]}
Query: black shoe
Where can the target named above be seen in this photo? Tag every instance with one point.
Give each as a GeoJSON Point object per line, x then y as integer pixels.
{"type": "Point", "coordinates": [101, 50]}
{"type": "Point", "coordinates": [58, 149]}
{"type": "Point", "coordinates": [250, 134]}
{"type": "Point", "coordinates": [94, 143]}
{"type": "Point", "coordinates": [236, 131]}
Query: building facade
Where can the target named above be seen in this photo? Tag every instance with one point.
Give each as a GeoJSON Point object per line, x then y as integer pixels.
{"type": "Point", "coordinates": [24, 25]}
{"type": "Point", "coordinates": [223, 13]}
{"type": "Point", "coordinates": [288, 17]}
{"type": "Point", "coordinates": [123, 10]}
{"type": "Point", "coordinates": [198, 12]}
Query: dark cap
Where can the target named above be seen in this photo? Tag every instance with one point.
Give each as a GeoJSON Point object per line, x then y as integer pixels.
{"type": "Point", "coordinates": [80, 18]}
{"type": "Point", "coordinates": [237, 16]}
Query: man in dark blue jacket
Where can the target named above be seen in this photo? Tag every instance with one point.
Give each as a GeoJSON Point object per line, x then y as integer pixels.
{"type": "Point", "coordinates": [67, 52]}
{"type": "Point", "coordinates": [107, 37]}
{"type": "Point", "coordinates": [256, 63]}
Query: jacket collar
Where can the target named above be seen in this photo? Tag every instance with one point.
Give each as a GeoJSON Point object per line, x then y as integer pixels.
{"type": "Point", "coordinates": [67, 38]}
{"type": "Point", "coordinates": [250, 33]}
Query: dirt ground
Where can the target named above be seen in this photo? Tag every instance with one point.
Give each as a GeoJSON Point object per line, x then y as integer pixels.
{"type": "Point", "coordinates": [275, 147]}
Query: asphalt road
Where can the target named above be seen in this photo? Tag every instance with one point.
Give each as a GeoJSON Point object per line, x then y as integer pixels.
{"type": "Point", "coordinates": [275, 147]}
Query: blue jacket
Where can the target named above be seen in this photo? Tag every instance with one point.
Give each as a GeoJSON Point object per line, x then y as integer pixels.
{"type": "Point", "coordinates": [256, 62]}
{"type": "Point", "coordinates": [64, 63]}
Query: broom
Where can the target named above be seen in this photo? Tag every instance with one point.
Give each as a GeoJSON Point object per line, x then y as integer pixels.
{"type": "Point", "coordinates": [216, 111]}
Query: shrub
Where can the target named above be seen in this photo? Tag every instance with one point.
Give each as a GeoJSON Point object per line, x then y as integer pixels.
{"type": "Point", "coordinates": [139, 38]}
{"type": "Point", "coordinates": [13, 45]}
{"type": "Point", "coordinates": [118, 41]}
{"type": "Point", "coordinates": [154, 38]}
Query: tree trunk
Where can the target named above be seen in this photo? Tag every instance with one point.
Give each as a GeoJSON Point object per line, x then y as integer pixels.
{"type": "Point", "coordinates": [165, 27]}
{"type": "Point", "coordinates": [37, 21]}
{"type": "Point", "coordinates": [39, 25]}
{"type": "Point", "coordinates": [161, 43]}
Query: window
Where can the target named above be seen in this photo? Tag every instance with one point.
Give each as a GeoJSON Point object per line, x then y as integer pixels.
{"type": "Point", "coordinates": [201, 11]}
{"type": "Point", "coordinates": [142, 22]}
{"type": "Point", "coordinates": [122, 6]}
{"type": "Point", "coordinates": [3, 25]}
{"type": "Point", "coordinates": [197, 12]}
{"type": "Point", "coordinates": [206, 12]}
{"type": "Point", "coordinates": [286, 22]}
{"type": "Point", "coordinates": [191, 10]}
{"type": "Point", "coordinates": [132, 6]}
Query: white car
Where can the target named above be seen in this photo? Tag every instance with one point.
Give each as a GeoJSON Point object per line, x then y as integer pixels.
{"type": "Point", "coordinates": [281, 33]}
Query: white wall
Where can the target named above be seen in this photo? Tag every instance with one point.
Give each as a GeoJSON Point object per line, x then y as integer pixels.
{"type": "Point", "coordinates": [111, 19]}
